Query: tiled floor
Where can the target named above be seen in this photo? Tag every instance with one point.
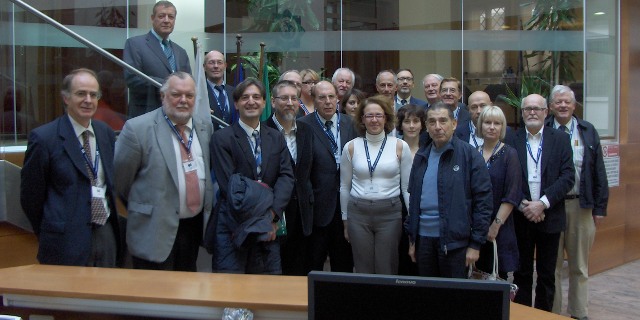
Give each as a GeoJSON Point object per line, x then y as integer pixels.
{"type": "Point", "coordinates": [613, 294]}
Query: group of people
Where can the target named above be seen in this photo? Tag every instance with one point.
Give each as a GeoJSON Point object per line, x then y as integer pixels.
{"type": "Point", "coordinates": [386, 184]}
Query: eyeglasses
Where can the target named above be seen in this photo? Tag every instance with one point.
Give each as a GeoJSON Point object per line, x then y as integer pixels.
{"type": "Point", "coordinates": [246, 97]}
{"type": "Point", "coordinates": [287, 98]}
{"type": "Point", "coordinates": [330, 97]}
{"type": "Point", "coordinates": [310, 82]}
{"type": "Point", "coordinates": [408, 79]}
{"type": "Point", "coordinates": [536, 109]}
{"type": "Point", "coordinates": [370, 116]}
{"type": "Point", "coordinates": [83, 94]}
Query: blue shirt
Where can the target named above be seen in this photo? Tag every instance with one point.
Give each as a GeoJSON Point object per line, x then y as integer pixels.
{"type": "Point", "coordinates": [429, 213]}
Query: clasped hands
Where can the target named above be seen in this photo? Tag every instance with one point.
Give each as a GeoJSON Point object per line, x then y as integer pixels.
{"type": "Point", "coordinates": [532, 210]}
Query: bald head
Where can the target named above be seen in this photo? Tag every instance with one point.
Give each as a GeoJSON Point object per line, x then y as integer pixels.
{"type": "Point", "coordinates": [215, 66]}
{"type": "Point", "coordinates": [477, 101]}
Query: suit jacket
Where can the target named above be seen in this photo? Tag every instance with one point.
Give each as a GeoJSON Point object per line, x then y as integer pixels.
{"type": "Point", "coordinates": [558, 175]}
{"type": "Point", "coordinates": [147, 182]}
{"type": "Point", "coordinates": [413, 100]}
{"type": "Point", "coordinates": [594, 187]}
{"type": "Point", "coordinates": [325, 176]}
{"type": "Point", "coordinates": [213, 105]}
{"type": "Point", "coordinates": [231, 153]}
{"type": "Point", "coordinates": [145, 53]}
{"type": "Point", "coordinates": [302, 172]}
{"type": "Point", "coordinates": [55, 192]}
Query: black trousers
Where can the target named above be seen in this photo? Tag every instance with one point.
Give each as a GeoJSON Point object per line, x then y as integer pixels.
{"type": "Point", "coordinates": [329, 241]}
{"type": "Point", "coordinates": [294, 247]}
{"type": "Point", "coordinates": [545, 247]}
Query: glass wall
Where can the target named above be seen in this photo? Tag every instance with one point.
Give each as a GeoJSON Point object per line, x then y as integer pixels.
{"type": "Point", "coordinates": [493, 45]}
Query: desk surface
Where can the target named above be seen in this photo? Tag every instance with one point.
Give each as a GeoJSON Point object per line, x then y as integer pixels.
{"type": "Point", "coordinates": [258, 292]}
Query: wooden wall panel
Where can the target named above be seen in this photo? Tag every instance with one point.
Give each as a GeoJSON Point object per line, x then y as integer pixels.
{"type": "Point", "coordinates": [17, 247]}
{"type": "Point", "coordinates": [608, 249]}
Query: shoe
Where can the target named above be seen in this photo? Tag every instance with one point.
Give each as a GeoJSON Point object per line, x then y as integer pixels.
{"type": "Point", "coordinates": [583, 318]}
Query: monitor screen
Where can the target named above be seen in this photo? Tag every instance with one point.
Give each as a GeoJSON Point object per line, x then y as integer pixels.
{"type": "Point", "coordinates": [334, 295]}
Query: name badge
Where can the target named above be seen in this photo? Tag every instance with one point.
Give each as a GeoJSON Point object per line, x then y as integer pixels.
{"type": "Point", "coordinates": [98, 192]}
{"type": "Point", "coordinates": [189, 166]}
{"type": "Point", "coordinates": [371, 188]}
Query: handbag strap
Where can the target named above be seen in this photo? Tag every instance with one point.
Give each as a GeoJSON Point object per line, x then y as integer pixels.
{"type": "Point", "coordinates": [494, 273]}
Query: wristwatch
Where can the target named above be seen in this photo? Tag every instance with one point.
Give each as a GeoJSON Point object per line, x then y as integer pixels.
{"type": "Point", "coordinates": [499, 221]}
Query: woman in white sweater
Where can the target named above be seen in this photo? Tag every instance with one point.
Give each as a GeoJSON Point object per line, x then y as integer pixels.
{"type": "Point", "coordinates": [374, 172]}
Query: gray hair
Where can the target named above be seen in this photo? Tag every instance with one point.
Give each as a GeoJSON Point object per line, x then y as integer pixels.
{"type": "Point", "coordinates": [434, 75]}
{"type": "Point", "coordinates": [335, 75]}
{"type": "Point", "coordinates": [561, 89]}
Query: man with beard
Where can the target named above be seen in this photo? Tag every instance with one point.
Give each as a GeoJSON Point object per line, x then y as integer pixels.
{"type": "Point", "coordinates": [162, 176]}
{"type": "Point", "coordinates": [299, 212]}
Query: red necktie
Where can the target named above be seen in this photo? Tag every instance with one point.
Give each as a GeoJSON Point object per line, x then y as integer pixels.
{"type": "Point", "coordinates": [190, 176]}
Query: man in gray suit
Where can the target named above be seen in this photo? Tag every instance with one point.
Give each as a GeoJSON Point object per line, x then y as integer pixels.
{"type": "Point", "coordinates": [162, 175]}
{"type": "Point", "coordinates": [155, 55]}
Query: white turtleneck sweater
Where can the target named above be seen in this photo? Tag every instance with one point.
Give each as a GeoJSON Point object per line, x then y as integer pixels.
{"type": "Point", "coordinates": [390, 177]}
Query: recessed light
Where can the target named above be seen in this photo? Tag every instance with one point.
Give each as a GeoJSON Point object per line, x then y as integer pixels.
{"type": "Point", "coordinates": [599, 13]}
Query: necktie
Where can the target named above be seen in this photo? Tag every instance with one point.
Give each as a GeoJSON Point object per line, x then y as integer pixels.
{"type": "Point", "coordinates": [190, 176]}
{"type": "Point", "coordinates": [328, 126]}
{"type": "Point", "coordinates": [403, 102]}
{"type": "Point", "coordinates": [222, 103]}
{"type": "Point", "coordinates": [98, 212]}
{"type": "Point", "coordinates": [257, 151]}
{"type": "Point", "coordinates": [169, 53]}
{"type": "Point", "coordinates": [564, 129]}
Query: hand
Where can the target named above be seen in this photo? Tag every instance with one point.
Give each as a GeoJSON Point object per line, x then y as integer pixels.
{"type": "Point", "coordinates": [346, 232]}
{"type": "Point", "coordinates": [597, 220]}
{"type": "Point", "coordinates": [493, 231]}
{"type": "Point", "coordinates": [274, 230]}
{"type": "Point", "coordinates": [412, 251]}
{"type": "Point", "coordinates": [472, 256]}
{"type": "Point", "coordinates": [533, 210]}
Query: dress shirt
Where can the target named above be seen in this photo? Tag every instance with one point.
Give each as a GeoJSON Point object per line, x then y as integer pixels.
{"type": "Point", "coordinates": [100, 180]}
{"type": "Point", "coordinates": [478, 142]}
{"type": "Point", "coordinates": [197, 156]}
{"type": "Point", "coordinates": [160, 39]}
{"type": "Point", "coordinates": [578, 150]}
{"type": "Point", "coordinates": [289, 137]}
{"type": "Point", "coordinates": [249, 131]}
{"type": "Point", "coordinates": [534, 176]}
{"type": "Point", "coordinates": [335, 133]}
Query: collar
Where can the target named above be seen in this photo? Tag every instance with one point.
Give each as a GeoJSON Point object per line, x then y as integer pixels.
{"type": "Point", "coordinates": [334, 118]}
{"type": "Point", "coordinates": [375, 137]}
{"type": "Point", "coordinates": [189, 123]}
{"type": "Point", "coordinates": [281, 128]}
{"type": "Point", "coordinates": [537, 135]}
{"type": "Point", "coordinates": [557, 124]}
{"type": "Point", "coordinates": [158, 37]}
{"type": "Point", "coordinates": [79, 129]}
{"type": "Point", "coordinates": [399, 100]}
{"type": "Point", "coordinates": [247, 129]}
{"type": "Point", "coordinates": [212, 84]}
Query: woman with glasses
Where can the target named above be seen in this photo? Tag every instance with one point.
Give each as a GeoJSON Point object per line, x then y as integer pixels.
{"type": "Point", "coordinates": [374, 172]}
{"type": "Point", "coordinates": [506, 180]}
{"type": "Point", "coordinates": [350, 101]}
{"type": "Point", "coordinates": [309, 79]}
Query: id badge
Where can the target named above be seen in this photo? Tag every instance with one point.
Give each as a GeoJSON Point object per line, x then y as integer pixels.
{"type": "Point", "coordinates": [189, 166]}
{"type": "Point", "coordinates": [97, 192]}
{"type": "Point", "coordinates": [371, 188]}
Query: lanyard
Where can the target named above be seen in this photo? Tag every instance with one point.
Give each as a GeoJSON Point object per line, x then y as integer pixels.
{"type": "Point", "coordinates": [537, 159]}
{"type": "Point", "coordinates": [573, 125]}
{"type": "Point", "coordinates": [329, 134]}
{"type": "Point", "coordinates": [495, 149]}
{"type": "Point", "coordinates": [186, 146]}
{"type": "Point", "coordinates": [94, 167]}
{"type": "Point", "coordinates": [304, 108]}
{"type": "Point", "coordinates": [473, 134]}
{"type": "Point", "coordinates": [375, 164]}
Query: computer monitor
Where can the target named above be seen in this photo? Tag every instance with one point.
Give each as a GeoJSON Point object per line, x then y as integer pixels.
{"type": "Point", "coordinates": [334, 295]}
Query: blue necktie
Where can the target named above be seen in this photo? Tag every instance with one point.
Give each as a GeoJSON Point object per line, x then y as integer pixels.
{"type": "Point", "coordinates": [222, 104]}
{"type": "Point", "coordinates": [169, 53]}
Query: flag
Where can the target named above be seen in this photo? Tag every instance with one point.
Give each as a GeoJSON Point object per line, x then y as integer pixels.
{"type": "Point", "coordinates": [266, 113]}
{"type": "Point", "coordinates": [202, 109]}
{"type": "Point", "coordinates": [239, 72]}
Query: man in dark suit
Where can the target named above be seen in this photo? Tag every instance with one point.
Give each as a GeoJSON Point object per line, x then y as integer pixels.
{"type": "Point", "coordinates": [67, 181]}
{"type": "Point", "coordinates": [547, 166]}
{"type": "Point", "coordinates": [586, 203]}
{"type": "Point", "coordinates": [404, 85]}
{"type": "Point", "coordinates": [431, 84]}
{"type": "Point", "coordinates": [450, 93]}
{"type": "Point", "coordinates": [331, 131]}
{"type": "Point", "coordinates": [220, 94]}
{"type": "Point", "coordinates": [467, 131]}
{"type": "Point", "coordinates": [162, 176]}
{"type": "Point", "coordinates": [294, 248]}
{"type": "Point", "coordinates": [155, 55]}
{"type": "Point", "coordinates": [259, 153]}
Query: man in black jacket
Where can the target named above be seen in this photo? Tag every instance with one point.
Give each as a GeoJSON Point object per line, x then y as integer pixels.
{"type": "Point", "coordinates": [586, 203]}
